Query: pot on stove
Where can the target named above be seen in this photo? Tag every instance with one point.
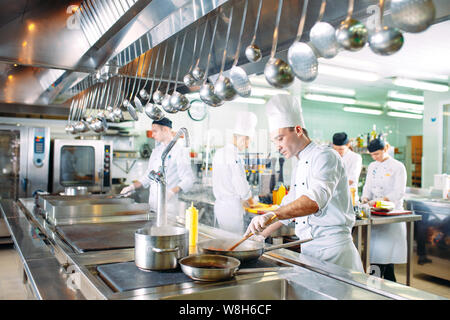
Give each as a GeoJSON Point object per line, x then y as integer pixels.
{"type": "Point", "coordinates": [160, 248]}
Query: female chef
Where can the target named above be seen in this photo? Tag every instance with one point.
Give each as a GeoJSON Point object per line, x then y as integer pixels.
{"type": "Point", "coordinates": [386, 180]}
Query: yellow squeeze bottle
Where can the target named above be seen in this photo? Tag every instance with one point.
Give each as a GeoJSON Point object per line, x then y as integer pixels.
{"type": "Point", "coordinates": [192, 226]}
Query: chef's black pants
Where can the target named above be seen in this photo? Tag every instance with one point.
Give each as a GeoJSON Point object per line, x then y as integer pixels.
{"type": "Point", "coordinates": [387, 271]}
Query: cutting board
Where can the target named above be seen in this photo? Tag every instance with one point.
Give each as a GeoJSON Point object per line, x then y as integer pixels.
{"type": "Point", "coordinates": [390, 213]}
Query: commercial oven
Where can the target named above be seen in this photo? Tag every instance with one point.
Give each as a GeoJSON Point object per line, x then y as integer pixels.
{"type": "Point", "coordinates": [81, 163]}
{"type": "Point", "coordinates": [24, 163]}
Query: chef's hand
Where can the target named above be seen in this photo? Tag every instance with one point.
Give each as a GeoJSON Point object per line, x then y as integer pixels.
{"type": "Point", "coordinates": [129, 189]}
{"type": "Point", "coordinates": [260, 222]}
{"type": "Point", "coordinates": [364, 200]}
{"type": "Point", "coordinates": [257, 238]}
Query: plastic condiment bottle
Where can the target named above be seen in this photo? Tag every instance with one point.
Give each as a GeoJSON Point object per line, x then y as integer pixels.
{"type": "Point", "coordinates": [353, 192]}
{"type": "Point", "coordinates": [281, 194]}
{"type": "Point", "coordinates": [192, 226]}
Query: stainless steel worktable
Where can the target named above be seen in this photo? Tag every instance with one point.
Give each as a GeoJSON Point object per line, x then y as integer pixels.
{"type": "Point", "coordinates": [57, 271]}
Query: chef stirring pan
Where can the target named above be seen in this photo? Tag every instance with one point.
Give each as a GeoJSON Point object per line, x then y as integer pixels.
{"type": "Point", "coordinates": [246, 251]}
{"type": "Point", "coordinates": [214, 267]}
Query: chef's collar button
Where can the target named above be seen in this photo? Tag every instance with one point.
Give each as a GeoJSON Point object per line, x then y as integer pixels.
{"type": "Point", "coordinates": [303, 183]}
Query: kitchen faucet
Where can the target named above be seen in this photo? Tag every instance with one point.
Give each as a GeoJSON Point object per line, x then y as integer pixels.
{"type": "Point", "coordinates": [160, 178]}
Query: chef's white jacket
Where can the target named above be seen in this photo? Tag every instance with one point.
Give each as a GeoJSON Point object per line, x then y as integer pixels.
{"type": "Point", "coordinates": [388, 241]}
{"type": "Point", "coordinates": [230, 188]}
{"type": "Point", "coordinates": [353, 164]}
{"type": "Point", "coordinates": [320, 175]}
{"type": "Point", "coordinates": [178, 173]}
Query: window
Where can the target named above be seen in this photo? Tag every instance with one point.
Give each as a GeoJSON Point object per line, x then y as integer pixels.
{"type": "Point", "coordinates": [77, 166]}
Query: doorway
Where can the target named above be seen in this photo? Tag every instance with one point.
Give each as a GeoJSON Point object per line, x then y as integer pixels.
{"type": "Point", "coordinates": [414, 161]}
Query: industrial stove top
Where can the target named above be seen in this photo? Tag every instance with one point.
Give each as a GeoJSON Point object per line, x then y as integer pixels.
{"type": "Point", "coordinates": [125, 276]}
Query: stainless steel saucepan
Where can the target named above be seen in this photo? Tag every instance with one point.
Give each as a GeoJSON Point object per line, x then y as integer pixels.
{"type": "Point", "coordinates": [246, 251]}
{"type": "Point", "coordinates": [213, 267]}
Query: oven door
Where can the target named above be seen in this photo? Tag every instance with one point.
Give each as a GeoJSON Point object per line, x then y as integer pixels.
{"type": "Point", "coordinates": [79, 163]}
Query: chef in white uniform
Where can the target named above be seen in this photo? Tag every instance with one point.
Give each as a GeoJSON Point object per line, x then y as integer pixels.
{"type": "Point", "coordinates": [352, 160]}
{"type": "Point", "coordinates": [230, 186]}
{"type": "Point", "coordinates": [386, 180]}
{"type": "Point", "coordinates": [319, 199]}
{"type": "Point", "coordinates": [179, 174]}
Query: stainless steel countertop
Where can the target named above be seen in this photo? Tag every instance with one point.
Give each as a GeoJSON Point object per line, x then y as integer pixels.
{"type": "Point", "coordinates": [59, 272]}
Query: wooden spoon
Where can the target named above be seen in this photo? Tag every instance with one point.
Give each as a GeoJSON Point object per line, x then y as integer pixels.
{"type": "Point", "coordinates": [251, 234]}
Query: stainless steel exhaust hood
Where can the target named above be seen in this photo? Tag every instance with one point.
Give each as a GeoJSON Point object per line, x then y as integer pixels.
{"type": "Point", "coordinates": [56, 46]}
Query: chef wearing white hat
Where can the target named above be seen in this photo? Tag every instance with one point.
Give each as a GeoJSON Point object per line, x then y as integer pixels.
{"type": "Point", "coordinates": [230, 186]}
{"type": "Point", "coordinates": [319, 198]}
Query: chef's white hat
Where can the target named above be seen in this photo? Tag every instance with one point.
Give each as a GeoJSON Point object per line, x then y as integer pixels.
{"type": "Point", "coordinates": [245, 123]}
{"type": "Point", "coordinates": [284, 111]}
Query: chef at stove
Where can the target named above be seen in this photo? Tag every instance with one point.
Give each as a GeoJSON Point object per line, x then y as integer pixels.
{"type": "Point", "coordinates": [179, 174]}
{"type": "Point", "coordinates": [319, 198]}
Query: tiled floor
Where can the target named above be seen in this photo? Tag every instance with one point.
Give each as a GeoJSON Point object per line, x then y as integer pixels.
{"type": "Point", "coordinates": [11, 287]}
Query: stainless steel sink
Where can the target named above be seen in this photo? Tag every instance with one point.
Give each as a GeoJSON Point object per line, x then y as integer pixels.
{"type": "Point", "coordinates": [265, 289]}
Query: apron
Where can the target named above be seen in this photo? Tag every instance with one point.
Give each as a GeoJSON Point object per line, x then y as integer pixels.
{"type": "Point", "coordinates": [387, 241]}
{"type": "Point", "coordinates": [337, 248]}
{"type": "Point", "coordinates": [230, 214]}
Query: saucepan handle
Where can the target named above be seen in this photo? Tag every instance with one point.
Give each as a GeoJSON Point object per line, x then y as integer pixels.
{"type": "Point", "coordinates": [256, 270]}
{"type": "Point", "coordinates": [287, 245]}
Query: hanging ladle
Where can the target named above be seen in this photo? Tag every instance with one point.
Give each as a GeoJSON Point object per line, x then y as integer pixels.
{"type": "Point", "coordinates": [207, 89]}
{"type": "Point", "coordinates": [126, 82]}
{"type": "Point", "coordinates": [223, 87]}
{"type": "Point", "coordinates": [238, 76]}
{"type": "Point", "coordinates": [110, 108]}
{"type": "Point", "coordinates": [277, 72]}
{"type": "Point", "coordinates": [165, 103]}
{"type": "Point", "coordinates": [100, 125]}
{"type": "Point", "coordinates": [352, 34]}
{"type": "Point", "coordinates": [127, 102]}
{"type": "Point", "coordinates": [143, 93]}
{"type": "Point", "coordinates": [188, 78]}
{"type": "Point", "coordinates": [197, 72]}
{"type": "Point", "coordinates": [178, 101]}
{"type": "Point", "coordinates": [323, 36]}
{"type": "Point", "coordinates": [118, 115]}
{"type": "Point", "coordinates": [301, 56]}
{"type": "Point", "coordinates": [158, 94]}
{"type": "Point", "coordinates": [412, 15]}
{"type": "Point", "coordinates": [93, 90]}
{"type": "Point", "coordinates": [137, 102]}
{"type": "Point", "coordinates": [253, 52]}
{"type": "Point", "coordinates": [151, 110]}
{"type": "Point", "coordinates": [80, 126]}
{"type": "Point", "coordinates": [69, 127]}
{"type": "Point", "coordinates": [385, 41]}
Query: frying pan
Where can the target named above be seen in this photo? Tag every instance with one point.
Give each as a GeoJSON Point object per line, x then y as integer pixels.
{"type": "Point", "coordinates": [246, 251]}
{"type": "Point", "coordinates": [214, 267]}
